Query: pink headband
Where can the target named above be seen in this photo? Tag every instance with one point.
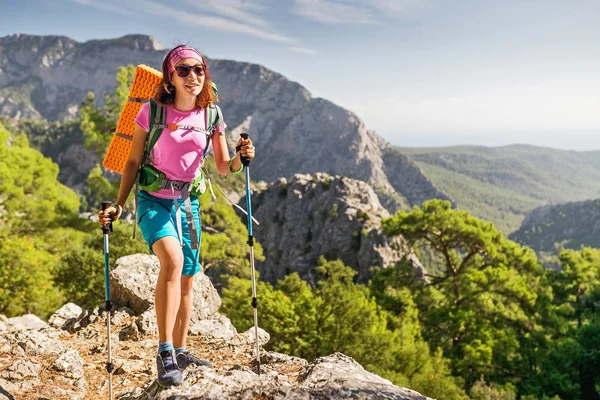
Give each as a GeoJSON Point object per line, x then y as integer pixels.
{"type": "Point", "coordinates": [181, 53]}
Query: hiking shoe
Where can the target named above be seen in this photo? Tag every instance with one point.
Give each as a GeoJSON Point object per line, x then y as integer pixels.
{"type": "Point", "coordinates": [186, 359]}
{"type": "Point", "coordinates": [169, 373]}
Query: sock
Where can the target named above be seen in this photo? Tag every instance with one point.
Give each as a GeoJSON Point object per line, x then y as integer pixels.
{"type": "Point", "coordinates": [162, 346]}
{"type": "Point", "coordinates": [179, 350]}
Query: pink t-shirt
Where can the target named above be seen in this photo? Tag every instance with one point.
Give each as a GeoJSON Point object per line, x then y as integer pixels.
{"type": "Point", "coordinates": [178, 153]}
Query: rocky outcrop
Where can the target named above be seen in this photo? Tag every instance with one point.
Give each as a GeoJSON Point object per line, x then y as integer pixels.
{"type": "Point", "coordinates": [313, 215]}
{"type": "Point", "coordinates": [327, 378]}
{"type": "Point", "coordinates": [67, 357]}
{"type": "Point", "coordinates": [295, 132]}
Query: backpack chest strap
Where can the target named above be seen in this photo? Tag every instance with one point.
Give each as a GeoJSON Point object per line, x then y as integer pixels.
{"type": "Point", "coordinates": [173, 127]}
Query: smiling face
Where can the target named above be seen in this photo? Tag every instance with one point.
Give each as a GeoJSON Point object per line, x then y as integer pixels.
{"type": "Point", "coordinates": [188, 81]}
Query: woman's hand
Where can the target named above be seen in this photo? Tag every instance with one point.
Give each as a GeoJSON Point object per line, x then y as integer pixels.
{"type": "Point", "coordinates": [247, 148]}
{"type": "Point", "coordinates": [104, 216]}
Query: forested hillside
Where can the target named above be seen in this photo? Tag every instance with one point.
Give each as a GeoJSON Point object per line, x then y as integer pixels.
{"type": "Point", "coordinates": [569, 225]}
{"type": "Point", "coordinates": [502, 184]}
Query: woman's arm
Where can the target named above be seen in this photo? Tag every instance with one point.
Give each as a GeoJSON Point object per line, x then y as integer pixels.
{"type": "Point", "coordinates": [222, 154]}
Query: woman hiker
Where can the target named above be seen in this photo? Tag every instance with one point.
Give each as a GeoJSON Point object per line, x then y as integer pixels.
{"type": "Point", "coordinates": [186, 93]}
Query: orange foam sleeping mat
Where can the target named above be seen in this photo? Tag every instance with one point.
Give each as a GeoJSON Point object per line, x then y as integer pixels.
{"type": "Point", "coordinates": [145, 80]}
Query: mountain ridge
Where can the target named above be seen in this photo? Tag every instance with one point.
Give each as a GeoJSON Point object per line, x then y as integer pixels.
{"type": "Point", "coordinates": [296, 132]}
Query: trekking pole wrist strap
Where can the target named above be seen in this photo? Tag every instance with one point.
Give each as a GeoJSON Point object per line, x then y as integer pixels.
{"type": "Point", "coordinates": [231, 163]}
{"type": "Point", "coordinates": [119, 211]}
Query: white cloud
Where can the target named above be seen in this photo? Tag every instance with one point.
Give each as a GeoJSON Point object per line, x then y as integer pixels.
{"type": "Point", "coordinates": [117, 9]}
{"type": "Point", "coordinates": [397, 6]}
{"type": "Point", "coordinates": [226, 23]}
{"type": "Point", "coordinates": [353, 11]}
{"type": "Point", "coordinates": [333, 12]}
{"type": "Point", "coordinates": [243, 11]}
{"type": "Point", "coordinates": [211, 22]}
{"type": "Point", "coordinates": [306, 51]}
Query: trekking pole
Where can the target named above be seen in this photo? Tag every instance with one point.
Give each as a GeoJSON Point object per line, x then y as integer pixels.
{"type": "Point", "coordinates": [246, 162]}
{"type": "Point", "coordinates": [106, 230]}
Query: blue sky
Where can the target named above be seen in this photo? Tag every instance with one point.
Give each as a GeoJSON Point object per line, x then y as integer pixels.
{"type": "Point", "coordinates": [418, 72]}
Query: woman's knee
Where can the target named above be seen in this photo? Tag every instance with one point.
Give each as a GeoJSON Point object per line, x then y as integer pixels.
{"type": "Point", "coordinates": [168, 250]}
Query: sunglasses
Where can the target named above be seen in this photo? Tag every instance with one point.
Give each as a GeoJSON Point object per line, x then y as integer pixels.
{"type": "Point", "coordinates": [184, 70]}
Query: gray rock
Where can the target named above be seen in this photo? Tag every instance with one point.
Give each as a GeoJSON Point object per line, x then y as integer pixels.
{"type": "Point", "coordinates": [132, 367]}
{"type": "Point", "coordinates": [249, 338]}
{"type": "Point", "coordinates": [217, 327]}
{"type": "Point", "coordinates": [66, 316]}
{"type": "Point", "coordinates": [272, 357]}
{"type": "Point", "coordinates": [340, 377]}
{"type": "Point", "coordinates": [21, 370]}
{"type": "Point", "coordinates": [36, 343]}
{"type": "Point", "coordinates": [25, 322]}
{"type": "Point", "coordinates": [130, 333]}
{"type": "Point", "coordinates": [146, 322]}
{"type": "Point", "coordinates": [133, 281]}
{"type": "Point", "coordinates": [70, 364]}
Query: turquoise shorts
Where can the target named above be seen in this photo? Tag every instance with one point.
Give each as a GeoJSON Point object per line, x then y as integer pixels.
{"type": "Point", "coordinates": [156, 218]}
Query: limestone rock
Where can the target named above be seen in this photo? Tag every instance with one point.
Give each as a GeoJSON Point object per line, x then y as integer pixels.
{"type": "Point", "coordinates": [131, 332]}
{"type": "Point", "coordinates": [249, 337]}
{"type": "Point", "coordinates": [146, 322]}
{"type": "Point", "coordinates": [133, 281]}
{"type": "Point", "coordinates": [35, 343]}
{"type": "Point", "coordinates": [338, 376]}
{"type": "Point", "coordinates": [217, 327]}
{"type": "Point", "coordinates": [25, 322]}
{"type": "Point", "coordinates": [272, 357]}
{"type": "Point", "coordinates": [21, 370]}
{"type": "Point", "coordinates": [70, 365]}
{"type": "Point", "coordinates": [65, 317]}
{"type": "Point", "coordinates": [3, 322]}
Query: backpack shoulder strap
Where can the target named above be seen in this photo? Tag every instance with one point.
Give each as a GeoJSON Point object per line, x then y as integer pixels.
{"type": "Point", "coordinates": [216, 118]}
{"type": "Point", "coordinates": [157, 118]}
{"type": "Point", "coordinates": [212, 118]}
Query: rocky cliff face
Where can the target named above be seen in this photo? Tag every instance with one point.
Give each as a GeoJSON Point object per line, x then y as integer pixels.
{"type": "Point", "coordinates": [296, 133]}
{"type": "Point", "coordinates": [570, 225]}
{"type": "Point", "coordinates": [312, 215]}
{"type": "Point", "coordinates": [65, 358]}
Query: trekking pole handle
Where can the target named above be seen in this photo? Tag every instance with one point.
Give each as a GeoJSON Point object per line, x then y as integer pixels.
{"type": "Point", "coordinates": [108, 228]}
{"type": "Point", "coordinates": [245, 160]}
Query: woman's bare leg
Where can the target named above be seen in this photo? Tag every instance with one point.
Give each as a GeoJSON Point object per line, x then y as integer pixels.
{"type": "Point", "coordinates": [167, 296]}
{"type": "Point", "coordinates": [182, 323]}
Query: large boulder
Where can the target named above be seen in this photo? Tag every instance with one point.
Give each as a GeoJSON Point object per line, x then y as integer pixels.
{"type": "Point", "coordinates": [340, 377]}
{"type": "Point", "coordinates": [133, 281]}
